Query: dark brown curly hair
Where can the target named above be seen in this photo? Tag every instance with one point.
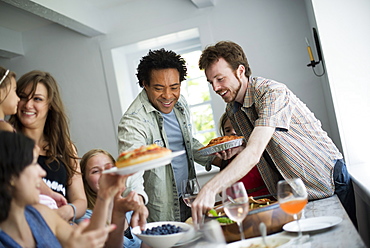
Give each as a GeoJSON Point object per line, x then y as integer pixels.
{"type": "Point", "coordinates": [157, 60]}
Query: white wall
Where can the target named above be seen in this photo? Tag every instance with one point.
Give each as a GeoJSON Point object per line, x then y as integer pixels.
{"type": "Point", "coordinates": [345, 39]}
{"type": "Point", "coordinates": [271, 32]}
{"type": "Point", "coordinates": [75, 62]}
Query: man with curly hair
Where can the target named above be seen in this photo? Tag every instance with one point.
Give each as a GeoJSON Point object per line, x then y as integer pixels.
{"type": "Point", "coordinates": [160, 115]}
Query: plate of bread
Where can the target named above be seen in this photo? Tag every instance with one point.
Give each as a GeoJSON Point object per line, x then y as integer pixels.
{"type": "Point", "coordinates": [143, 158]}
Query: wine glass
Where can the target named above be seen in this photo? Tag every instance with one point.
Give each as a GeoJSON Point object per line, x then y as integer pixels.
{"type": "Point", "coordinates": [189, 190]}
{"type": "Point", "coordinates": [236, 204]}
{"type": "Point", "coordinates": [292, 197]}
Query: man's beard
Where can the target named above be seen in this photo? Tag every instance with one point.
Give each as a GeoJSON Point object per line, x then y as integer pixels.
{"type": "Point", "coordinates": [237, 90]}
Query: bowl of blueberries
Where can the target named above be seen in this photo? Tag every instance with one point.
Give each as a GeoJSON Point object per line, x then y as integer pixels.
{"type": "Point", "coordinates": [163, 234]}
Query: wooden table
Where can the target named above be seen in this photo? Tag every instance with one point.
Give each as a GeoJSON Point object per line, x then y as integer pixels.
{"type": "Point", "coordinates": [342, 235]}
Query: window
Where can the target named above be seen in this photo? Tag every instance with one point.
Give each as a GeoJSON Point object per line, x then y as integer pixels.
{"type": "Point", "coordinates": [196, 91]}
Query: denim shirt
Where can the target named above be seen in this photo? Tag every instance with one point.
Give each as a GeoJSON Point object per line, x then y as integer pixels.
{"type": "Point", "coordinates": [142, 124]}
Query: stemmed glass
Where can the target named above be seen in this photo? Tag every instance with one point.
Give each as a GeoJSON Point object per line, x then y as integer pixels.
{"type": "Point", "coordinates": [292, 197]}
{"type": "Point", "coordinates": [236, 204]}
{"type": "Point", "coordinates": [189, 190]}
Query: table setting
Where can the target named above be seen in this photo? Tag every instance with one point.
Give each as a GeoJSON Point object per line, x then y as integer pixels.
{"type": "Point", "coordinates": [287, 219]}
{"type": "Point", "coordinates": [319, 223]}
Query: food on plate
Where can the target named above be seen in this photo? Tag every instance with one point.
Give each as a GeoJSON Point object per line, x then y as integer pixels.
{"type": "Point", "coordinates": [189, 221]}
{"type": "Point", "coordinates": [222, 220]}
{"type": "Point", "coordinates": [162, 230]}
{"type": "Point", "coordinates": [254, 204]}
{"type": "Point", "coordinates": [259, 246]}
{"type": "Point", "coordinates": [213, 212]}
{"type": "Point", "coordinates": [272, 242]}
{"type": "Point", "coordinates": [220, 140]}
{"type": "Point", "coordinates": [218, 211]}
{"type": "Point", "coordinates": [141, 154]}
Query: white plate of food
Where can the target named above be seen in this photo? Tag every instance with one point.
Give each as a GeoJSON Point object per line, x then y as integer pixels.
{"type": "Point", "coordinates": [221, 147]}
{"type": "Point", "coordinates": [313, 224]}
{"type": "Point", "coordinates": [190, 237]}
{"type": "Point", "coordinates": [148, 165]}
{"type": "Point", "coordinates": [272, 242]}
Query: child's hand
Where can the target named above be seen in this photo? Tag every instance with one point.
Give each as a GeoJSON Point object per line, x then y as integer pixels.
{"type": "Point", "coordinates": [128, 203]}
{"type": "Point", "coordinates": [111, 184]}
{"type": "Point", "coordinates": [134, 202]}
{"type": "Point", "coordinates": [59, 199]}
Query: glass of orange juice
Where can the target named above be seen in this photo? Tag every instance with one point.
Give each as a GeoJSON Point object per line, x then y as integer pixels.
{"type": "Point", "coordinates": [292, 197]}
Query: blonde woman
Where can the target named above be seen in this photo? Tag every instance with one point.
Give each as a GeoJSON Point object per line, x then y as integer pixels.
{"type": "Point", "coordinates": [92, 165]}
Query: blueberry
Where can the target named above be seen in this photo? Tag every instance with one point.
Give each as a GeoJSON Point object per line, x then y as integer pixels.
{"type": "Point", "coordinates": [162, 230]}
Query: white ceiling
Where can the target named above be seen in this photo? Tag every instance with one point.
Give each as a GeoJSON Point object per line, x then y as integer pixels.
{"type": "Point", "coordinates": [88, 17]}
{"type": "Point", "coordinates": [84, 16]}
{"type": "Point", "coordinates": [23, 15]}
{"type": "Point", "coordinates": [19, 20]}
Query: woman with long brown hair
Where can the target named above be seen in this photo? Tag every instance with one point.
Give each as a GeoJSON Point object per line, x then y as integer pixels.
{"type": "Point", "coordinates": [41, 116]}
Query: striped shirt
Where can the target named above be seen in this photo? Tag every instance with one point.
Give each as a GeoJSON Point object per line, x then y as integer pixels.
{"type": "Point", "coordinates": [299, 146]}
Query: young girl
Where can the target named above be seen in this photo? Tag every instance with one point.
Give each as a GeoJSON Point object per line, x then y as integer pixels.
{"type": "Point", "coordinates": [24, 222]}
{"type": "Point", "coordinates": [41, 116]}
{"type": "Point", "coordinates": [8, 98]}
{"type": "Point", "coordinates": [92, 165]}
{"type": "Point", "coordinates": [253, 181]}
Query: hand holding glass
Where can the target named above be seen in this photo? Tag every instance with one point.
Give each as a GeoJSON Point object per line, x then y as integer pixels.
{"type": "Point", "coordinates": [292, 197]}
{"type": "Point", "coordinates": [236, 204]}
